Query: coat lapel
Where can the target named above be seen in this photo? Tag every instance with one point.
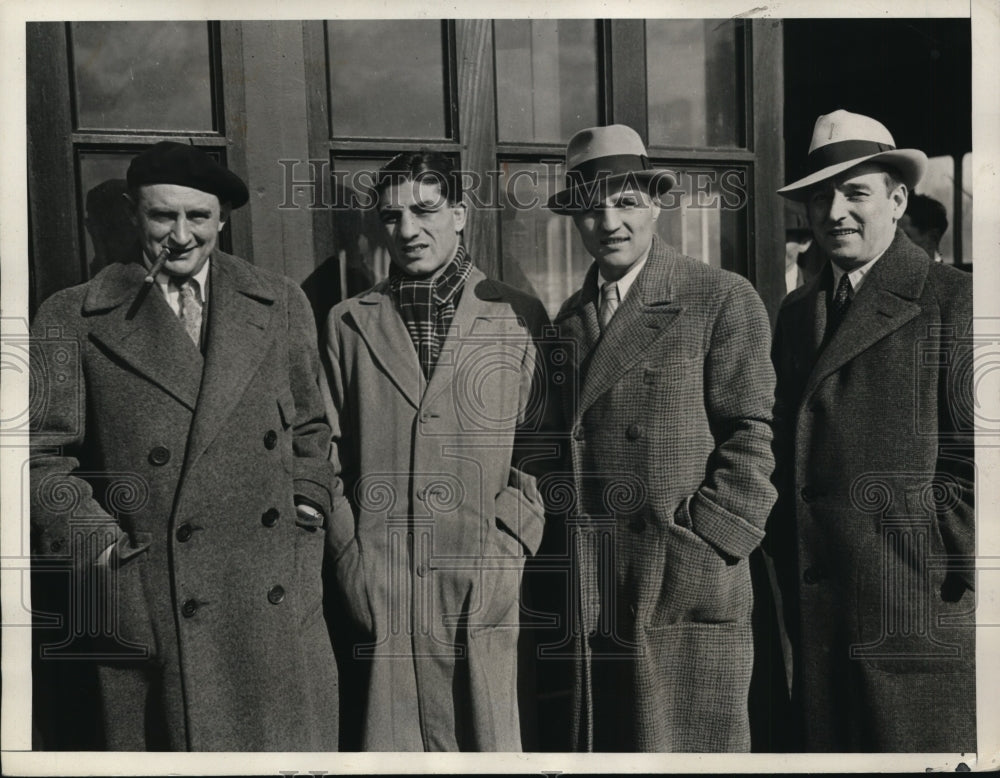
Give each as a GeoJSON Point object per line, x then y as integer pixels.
{"type": "Point", "coordinates": [476, 314]}
{"type": "Point", "coordinates": [578, 322]}
{"type": "Point", "coordinates": [642, 319]}
{"type": "Point", "coordinates": [142, 331]}
{"type": "Point", "coordinates": [883, 304]}
{"type": "Point", "coordinates": [804, 324]}
{"type": "Point", "coordinates": [385, 334]}
{"type": "Point", "coordinates": [240, 307]}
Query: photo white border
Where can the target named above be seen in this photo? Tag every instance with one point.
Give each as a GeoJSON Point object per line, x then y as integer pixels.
{"type": "Point", "coordinates": [15, 706]}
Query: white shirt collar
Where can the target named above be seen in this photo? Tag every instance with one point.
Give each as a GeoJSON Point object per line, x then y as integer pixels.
{"type": "Point", "coordinates": [857, 275]}
{"type": "Point", "coordinates": [626, 281]}
{"type": "Point", "coordinates": [172, 294]}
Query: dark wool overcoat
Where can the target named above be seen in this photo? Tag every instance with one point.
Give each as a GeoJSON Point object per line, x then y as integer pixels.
{"type": "Point", "coordinates": [213, 637]}
{"type": "Point", "coordinates": [444, 512]}
{"type": "Point", "coordinates": [873, 532]}
{"type": "Point", "coordinates": [671, 458]}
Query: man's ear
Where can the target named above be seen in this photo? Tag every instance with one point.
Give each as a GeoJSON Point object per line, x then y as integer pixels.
{"type": "Point", "coordinates": [224, 210]}
{"type": "Point", "coordinates": [459, 214]}
{"type": "Point", "coordinates": [899, 197]}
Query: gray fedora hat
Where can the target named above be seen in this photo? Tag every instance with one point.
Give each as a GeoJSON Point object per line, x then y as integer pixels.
{"type": "Point", "coordinates": [599, 158]}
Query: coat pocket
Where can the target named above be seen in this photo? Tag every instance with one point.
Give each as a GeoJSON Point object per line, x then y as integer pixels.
{"type": "Point", "coordinates": [310, 542]}
{"type": "Point", "coordinates": [904, 624]}
{"type": "Point", "coordinates": [697, 584]}
{"type": "Point", "coordinates": [500, 577]}
{"type": "Point", "coordinates": [128, 629]}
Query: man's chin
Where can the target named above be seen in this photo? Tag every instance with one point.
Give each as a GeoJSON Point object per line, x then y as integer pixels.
{"type": "Point", "coordinates": [422, 266]}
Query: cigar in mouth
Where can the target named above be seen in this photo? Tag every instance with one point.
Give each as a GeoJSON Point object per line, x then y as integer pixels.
{"type": "Point", "coordinates": [157, 266]}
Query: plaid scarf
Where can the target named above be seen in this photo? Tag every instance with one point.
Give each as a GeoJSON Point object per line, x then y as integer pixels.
{"type": "Point", "coordinates": [428, 305]}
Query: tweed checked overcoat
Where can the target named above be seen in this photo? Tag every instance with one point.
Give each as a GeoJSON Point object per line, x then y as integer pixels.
{"type": "Point", "coordinates": [873, 533]}
{"type": "Point", "coordinates": [671, 456]}
{"type": "Point", "coordinates": [444, 512]}
{"type": "Point", "coordinates": [191, 465]}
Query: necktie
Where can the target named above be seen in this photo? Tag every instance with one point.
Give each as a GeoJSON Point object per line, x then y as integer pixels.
{"type": "Point", "coordinates": [190, 309]}
{"type": "Point", "coordinates": [838, 306]}
{"type": "Point", "coordinates": [609, 302]}
{"type": "Point", "coordinates": [842, 297]}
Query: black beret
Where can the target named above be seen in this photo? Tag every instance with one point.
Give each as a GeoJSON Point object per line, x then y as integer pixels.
{"type": "Point", "coordinates": [169, 162]}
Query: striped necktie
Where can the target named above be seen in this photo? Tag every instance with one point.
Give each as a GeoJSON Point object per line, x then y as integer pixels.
{"type": "Point", "coordinates": [190, 309]}
{"type": "Point", "coordinates": [609, 302]}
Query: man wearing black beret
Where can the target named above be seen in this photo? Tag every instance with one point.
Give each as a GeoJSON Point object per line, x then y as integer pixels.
{"type": "Point", "coordinates": [182, 465]}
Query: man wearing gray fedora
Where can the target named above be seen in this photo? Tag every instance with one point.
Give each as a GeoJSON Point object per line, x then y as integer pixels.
{"type": "Point", "coordinates": [873, 535]}
{"type": "Point", "coordinates": [670, 406]}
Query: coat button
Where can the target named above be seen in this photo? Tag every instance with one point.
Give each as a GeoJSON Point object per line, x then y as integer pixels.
{"type": "Point", "coordinates": [270, 439]}
{"type": "Point", "coordinates": [422, 570]}
{"type": "Point", "coordinates": [578, 433]}
{"type": "Point", "coordinates": [276, 594]}
{"type": "Point", "coordinates": [184, 533]}
{"type": "Point", "coordinates": [633, 432]}
{"type": "Point", "coordinates": [812, 575]}
{"type": "Point", "coordinates": [270, 517]}
{"type": "Point", "coordinates": [808, 494]}
{"type": "Point", "coordinates": [159, 455]}
{"type": "Point", "coordinates": [189, 608]}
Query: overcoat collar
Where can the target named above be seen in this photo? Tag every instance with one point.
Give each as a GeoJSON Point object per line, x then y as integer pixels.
{"type": "Point", "coordinates": [133, 321]}
{"type": "Point", "coordinates": [645, 315]}
{"type": "Point", "coordinates": [882, 305]}
{"type": "Point", "coordinates": [480, 312]}
{"type": "Point", "coordinates": [144, 333]}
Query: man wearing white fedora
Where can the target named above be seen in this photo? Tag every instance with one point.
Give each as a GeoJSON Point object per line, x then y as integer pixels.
{"type": "Point", "coordinates": [670, 404]}
{"type": "Point", "coordinates": [873, 534]}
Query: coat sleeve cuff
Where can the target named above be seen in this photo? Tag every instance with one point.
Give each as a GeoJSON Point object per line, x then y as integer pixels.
{"type": "Point", "coordinates": [523, 517]}
{"type": "Point", "coordinates": [314, 494]}
{"type": "Point", "coordinates": [727, 532]}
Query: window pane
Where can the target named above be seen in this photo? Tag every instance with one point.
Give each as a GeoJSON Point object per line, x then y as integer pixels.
{"type": "Point", "coordinates": [142, 75]}
{"type": "Point", "coordinates": [386, 79]}
{"type": "Point", "coordinates": [542, 252]}
{"type": "Point", "coordinates": [109, 234]}
{"type": "Point", "coordinates": [546, 73]}
{"type": "Point", "coordinates": [358, 233]}
{"type": "Point", "coordinates": [694, 76]}
{"type": "Point", "coordinates": [704, 217]}
{"type": "Point", "coordinates": [939, 183]}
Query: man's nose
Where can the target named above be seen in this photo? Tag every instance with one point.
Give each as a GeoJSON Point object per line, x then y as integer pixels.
{"type": "Point", "coordinates": [610, 220]}
{"type": "Point", "coordinates": [181, 232]}
{"type": "Point", "coordinates": [407, 225]}
{"type": "Point", "coordinates": [838, 207]}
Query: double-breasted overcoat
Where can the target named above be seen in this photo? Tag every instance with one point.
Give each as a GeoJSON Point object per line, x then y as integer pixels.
{"type": "Point", "coordinates": [671, 459]}
{"type": "Point", "coordinates": [206, 626]}
{"type": "Point", "coordinates": [441, 478]}
{"type": "Point", "coordinates": [873, 533]}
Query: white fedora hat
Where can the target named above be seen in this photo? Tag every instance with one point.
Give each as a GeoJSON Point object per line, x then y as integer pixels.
{"type": "Point", "coordinates": [842, 140]}
{"type": "Point", "coordinates": [598, 158]}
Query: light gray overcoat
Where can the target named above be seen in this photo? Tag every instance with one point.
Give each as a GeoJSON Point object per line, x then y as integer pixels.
{"type": "Point", "coordinates": [445, 511]}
